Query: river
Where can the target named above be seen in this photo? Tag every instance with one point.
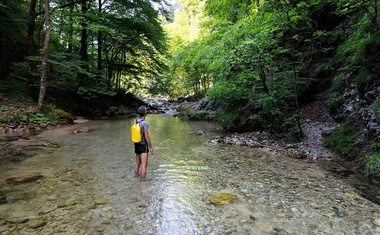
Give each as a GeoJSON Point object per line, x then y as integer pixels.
{"type": "Point", "coordinates": [88, 187]}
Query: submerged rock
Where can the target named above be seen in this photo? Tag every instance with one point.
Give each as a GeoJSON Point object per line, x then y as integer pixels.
{"type": "Point", "coordinates": [23, 178]}
{"type": "Point", "coordinates": [81, 130]}
{"type": "Point", "coordinates": [222, 198]}
{"type": "Point", "coordinates": [37, 223]}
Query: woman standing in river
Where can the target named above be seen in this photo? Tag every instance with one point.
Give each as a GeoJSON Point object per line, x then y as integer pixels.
{"type": "Point", "coordinates": [143, 148]}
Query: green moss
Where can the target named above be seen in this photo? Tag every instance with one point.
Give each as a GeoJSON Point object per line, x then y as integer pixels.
{"type": "Point", "coordinates": [61, 114]}
{"type": "Point", "coordinates": [342, 141]}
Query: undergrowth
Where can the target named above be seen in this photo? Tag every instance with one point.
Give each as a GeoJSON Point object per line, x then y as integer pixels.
{"type": "Point", "coordinates": [372, 165]}
{"type": "Point", "coordinates": [342, 140]}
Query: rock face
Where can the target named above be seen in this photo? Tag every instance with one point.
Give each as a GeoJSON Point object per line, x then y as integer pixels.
{"type": "Point", "coordinates": [362, 108]}
{"type": "Point", "coordinates": [23, 178]}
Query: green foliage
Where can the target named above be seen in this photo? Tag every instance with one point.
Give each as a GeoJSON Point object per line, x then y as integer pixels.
{"type": "Point", "coordinates": [335, 98]}
{"type": "Point", "coordinates": [230, 10]}
{"type": "Point", "coordinates": [227, 118]}
{"type": "Point", "coordinates": [376, 108]}
{"type": "Point", "coordinates": [89, 92]}
{"type": "Point", "coordinates": [323, 70]}
{"type": "Point", "coordinates": [253, 56]}
{"type": "Point", "coordinates": [4, 108]}
{"type": "Point", "coordinates": [197, 115]}
{"type": "Point", "coordinates": [48, 115]}
{"type": "Point", "coordinates": [342, 141]}
{"type": "Point", "coordinates": [12, 86]}
{"type": "Point", "coordinates": [338, 82]}
{"type": "Point", "coordinates": [372, 164]}
{"type": "Point", "coordinates": [122, 44]}
{"type": "Point", "coordinates": [275, 112]}
{"type": "Point", "coordinates": [361, 79]}
{"type": "Point", "coordinates": [334, 101]}
{"type": "Point", "coordinates": [37, 118]}
{"type": "Point", "coordinates": [370, 7]}
{"type": "Point", "coordinates": [228, 95]}
{"type": "Point", "coordinates": [6, 118]}
{"type": "Point", "coordinates": [358, 54]}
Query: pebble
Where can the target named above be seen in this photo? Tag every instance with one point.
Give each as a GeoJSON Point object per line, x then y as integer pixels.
{"type": "Point", "coordinates": [107, 208]}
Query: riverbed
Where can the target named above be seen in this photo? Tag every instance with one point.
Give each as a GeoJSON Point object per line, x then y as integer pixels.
{"type": "Point", "coordinates": [88, 187]}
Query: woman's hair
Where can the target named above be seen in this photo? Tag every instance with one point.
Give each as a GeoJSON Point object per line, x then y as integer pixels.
{"type": "Point", "coordinates": [142, 110]}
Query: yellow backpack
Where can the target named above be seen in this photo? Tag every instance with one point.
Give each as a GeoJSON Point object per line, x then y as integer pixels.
{"type": "Point", "coordinates": [136, 132]}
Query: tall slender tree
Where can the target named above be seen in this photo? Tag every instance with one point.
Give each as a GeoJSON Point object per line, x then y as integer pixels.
{"type": "Point", "coordinates": [45, 57]}
{"type": "Point", "coordinates": [83, 41]}
{"type": "Point", "coordinates": [31, 47]}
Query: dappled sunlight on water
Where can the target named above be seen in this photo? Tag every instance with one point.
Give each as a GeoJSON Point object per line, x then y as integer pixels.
{"type": "Point", "coordinates": [274, 194]}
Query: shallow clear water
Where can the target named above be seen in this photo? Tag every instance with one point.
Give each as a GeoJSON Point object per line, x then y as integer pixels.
{"type": "Point", "coordinates": [274, 194]}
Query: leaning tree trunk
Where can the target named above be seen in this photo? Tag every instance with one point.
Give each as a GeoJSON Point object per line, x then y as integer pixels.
{"type": "Point", "coordinates": [45, 57]}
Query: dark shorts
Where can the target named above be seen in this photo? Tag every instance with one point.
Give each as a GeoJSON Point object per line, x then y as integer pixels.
{"type": "Point", "coordinates": [141, 148]}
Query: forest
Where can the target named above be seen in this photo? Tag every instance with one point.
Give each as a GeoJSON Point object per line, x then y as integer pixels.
{"type": "Point", "coordinates": [259, 61]}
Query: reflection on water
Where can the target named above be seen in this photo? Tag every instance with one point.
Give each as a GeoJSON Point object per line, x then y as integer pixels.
{"type": "Point", "coordinates": [276, 195]}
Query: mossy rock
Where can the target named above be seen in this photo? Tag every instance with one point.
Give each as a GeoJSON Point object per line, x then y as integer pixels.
{"type": "Point", "coordinates": [222, 198]}
{"type": "Point", "coordinates": [63, 115]}
{"type": "Point", "coordinates": [37, 223]}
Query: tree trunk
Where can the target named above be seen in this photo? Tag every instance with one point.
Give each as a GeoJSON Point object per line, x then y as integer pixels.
{"type": "Point", "coordinates": [295, 74]}
{"type": "Point", "coordinates": [83, 43]}
{"type": "Point", "coordinates": [31, 47]}
{"type": "Point", "coordinates": [45, 57]}
{"type": "Point", "coordinates": [100, 44]}
{"type": "Point", "coordinates": [71, 30]}
{"type": "Point", "coordinates": [4, 42]}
